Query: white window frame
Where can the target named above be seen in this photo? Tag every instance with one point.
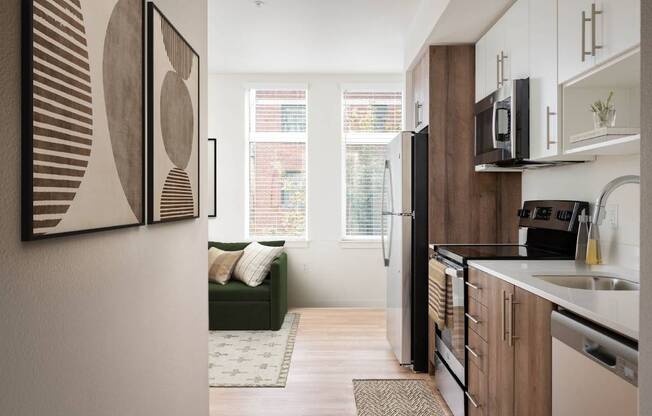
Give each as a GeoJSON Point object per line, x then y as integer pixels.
{"type": "Point", "coordinates": [273, 138]}
{"type": "Point", "coordinates": [360, 241]}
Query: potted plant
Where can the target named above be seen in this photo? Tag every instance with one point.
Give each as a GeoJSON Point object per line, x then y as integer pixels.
{"type": "Point", "coordinates": [604, 112]}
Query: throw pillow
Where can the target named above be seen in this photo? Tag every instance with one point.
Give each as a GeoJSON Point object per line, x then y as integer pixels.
{"type": "Point", "coordinates": [256, 263]}
{"type": "Point", "coordinates": [221, 264]}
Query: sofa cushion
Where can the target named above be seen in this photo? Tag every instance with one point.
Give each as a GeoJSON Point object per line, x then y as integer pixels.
{"type": "Point", "coordinates": [255, 264]}
{"type": "Point", "coordinates": [237, 291]}
{"type": "Point", "coordinates": [221, 264]}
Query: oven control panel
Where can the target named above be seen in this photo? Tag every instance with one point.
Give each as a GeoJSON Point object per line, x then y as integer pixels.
{"type": "Point", "coordinates": [552, 214]}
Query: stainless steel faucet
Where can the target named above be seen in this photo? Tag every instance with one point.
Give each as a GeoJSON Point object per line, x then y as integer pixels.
{"type": "Point", "coordinates": [607, 190]}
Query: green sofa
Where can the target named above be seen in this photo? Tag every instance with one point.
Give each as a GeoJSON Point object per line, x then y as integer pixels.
{"type": "Point", "coordinates": [236, 306]}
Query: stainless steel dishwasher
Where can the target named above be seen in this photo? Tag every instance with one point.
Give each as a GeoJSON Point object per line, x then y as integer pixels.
{"type": "Point", "coordinates": [594, 372]}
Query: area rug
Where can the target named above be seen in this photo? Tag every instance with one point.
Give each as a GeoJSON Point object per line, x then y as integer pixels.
{"type": "Point", "coordinates": [251, 358]}
{"type": "Point", "coordinates": [397, 398]}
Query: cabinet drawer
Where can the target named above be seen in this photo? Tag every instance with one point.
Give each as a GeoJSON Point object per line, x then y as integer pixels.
{"type": "Point", "coordinates": [477, 286]}
{"type": "Point", "coordinates": [477, 350]}
{"type": "Point", "coordinates": [476, 396]}
{"type": "Point", "coordinates": [477, 318]}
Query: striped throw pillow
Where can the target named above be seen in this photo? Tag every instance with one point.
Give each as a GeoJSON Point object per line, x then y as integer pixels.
{"type": "Point", "coordinates": [255, 263]}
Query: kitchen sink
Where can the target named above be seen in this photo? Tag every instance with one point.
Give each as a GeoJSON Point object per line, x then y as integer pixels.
{"type": "Point", "coordinates": [589, 282]}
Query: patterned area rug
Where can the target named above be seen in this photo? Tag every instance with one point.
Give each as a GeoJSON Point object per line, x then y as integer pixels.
{"type": "Point", "coordinates": [397, 398]}
{"type": "Point", "coordinates": [251, 358]}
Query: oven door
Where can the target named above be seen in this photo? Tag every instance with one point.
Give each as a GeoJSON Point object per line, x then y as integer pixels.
{"type": "Point", "coordinates": [494, 128]}
{"type": "Point", "coordinates": [450, 339]}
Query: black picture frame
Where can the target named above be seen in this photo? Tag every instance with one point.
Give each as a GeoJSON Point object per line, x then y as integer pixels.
{"type": "Point", "coordinates": [27, 131]}
{"type": "Point", "coordinates": [151, 9]}
{"type": "Point", "coordinates": [212, 211]}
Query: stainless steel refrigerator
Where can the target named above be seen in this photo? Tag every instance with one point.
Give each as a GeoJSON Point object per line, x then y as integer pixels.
{"type": "Point", "coordinates": [405, 246]}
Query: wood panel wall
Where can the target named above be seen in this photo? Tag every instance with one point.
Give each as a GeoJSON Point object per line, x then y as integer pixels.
{"type": "Point", "coordinates": [465, 206]}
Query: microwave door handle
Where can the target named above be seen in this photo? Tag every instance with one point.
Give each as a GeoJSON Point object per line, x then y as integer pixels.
{"type": "Point", "coordinates": [494, 137]}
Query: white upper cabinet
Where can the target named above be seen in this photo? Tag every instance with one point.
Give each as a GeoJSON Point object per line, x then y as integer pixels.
{"type": "Point", "coordinates": [543, 79]}
{"type": "Point", "coordinates": [516, 23]}
{"type": "Point", "coordinates": [480, 70]}
{"type": "Point", "coordinates": [502, 53]}
{"type": "Point", "coordinates": [618, 27]}
{"type": "Point", "coordinates": [591, 32]}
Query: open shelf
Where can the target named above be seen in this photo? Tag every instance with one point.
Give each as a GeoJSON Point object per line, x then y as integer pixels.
{"type": "Point", "coordinates": [625, 145]}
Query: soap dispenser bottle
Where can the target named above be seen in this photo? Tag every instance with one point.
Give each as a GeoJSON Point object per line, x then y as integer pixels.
{"type": "Point", "coordinates": [593, 255]}
{"type": "Point", "coordinates": [582, 237]}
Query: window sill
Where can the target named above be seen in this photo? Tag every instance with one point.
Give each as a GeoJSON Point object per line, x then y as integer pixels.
{"type": "Point", "coordinates": [360, 244]}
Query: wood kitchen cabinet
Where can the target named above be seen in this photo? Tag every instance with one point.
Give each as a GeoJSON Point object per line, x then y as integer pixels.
{"type": "Point", "coordinates": [421, 92]}
{"type": "Point", "coordinates": [608, 28]}
{"type": "Point", "coordinates": [509, 372]}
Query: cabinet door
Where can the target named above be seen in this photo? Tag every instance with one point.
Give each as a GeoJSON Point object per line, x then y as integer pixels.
{"type": "Point", "coordinates": [416, 94]}
{"type": "Point", "coordinates": [500, 361]}
{"type": "Point", "coordinates": [570, 28]}
{"type": "Point", "coordinates": [480, 69]}
{"type": "Point", "coordinates": [495, 44]}
{"type": "Point", "coordinates": [516, 41]}
{"type": "Point", "coordinates": [618, 27]}
{"type": "Point", "coordinates": [543, 79]}
{"type": "Point", "coordinates": [425, 89]}
{"type": "Point", "coordinates": [532, 354]}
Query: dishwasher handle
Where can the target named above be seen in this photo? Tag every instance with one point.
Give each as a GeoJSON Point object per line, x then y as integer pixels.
{"type": "Point", "coordinates": [614, 354]}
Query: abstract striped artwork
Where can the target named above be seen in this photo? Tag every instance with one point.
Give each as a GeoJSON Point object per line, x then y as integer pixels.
{"type": "Point", "coordinates": [173, 150]}
{"type": "Point", "coordinates": [62, 113]}
{"type": "Point", "coordinates": [176, 199]}
{"type": "Point", "coordinates": [67, 172]}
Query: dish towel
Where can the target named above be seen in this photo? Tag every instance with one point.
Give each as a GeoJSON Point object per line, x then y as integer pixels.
{"type": "Point", "coordinates": [438, 292]}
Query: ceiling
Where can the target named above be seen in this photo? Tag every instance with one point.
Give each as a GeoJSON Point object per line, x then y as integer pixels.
{"type": "Point", "coordinates": [308, 36]}
{"type": "Point", "coordinates": [338, 36]}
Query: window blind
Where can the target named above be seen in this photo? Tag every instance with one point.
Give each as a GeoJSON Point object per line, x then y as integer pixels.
{"type": "Point", "coordinates": [370, 120]}
{"type": "Point", "coordinates": [277, 163]}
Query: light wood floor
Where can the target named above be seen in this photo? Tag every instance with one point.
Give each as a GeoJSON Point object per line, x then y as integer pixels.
{"type": "Point", "coordinates": [333, 347]}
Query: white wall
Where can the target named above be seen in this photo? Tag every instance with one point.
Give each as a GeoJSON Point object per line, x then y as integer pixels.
{"type": "Point", "coordinates": [105, 324]}
{"type": "Point", "coordinates": [621, 245]}
{"type": "Point", "coordinates": [645, 343]}
{"type": "Point", "coordinates": [323, 273]}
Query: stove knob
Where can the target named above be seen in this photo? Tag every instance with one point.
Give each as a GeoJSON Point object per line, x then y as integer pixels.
{"type": "Point", "coordinates": [524, 213]}
{"type": "Point", "coordinates": [564, 215]}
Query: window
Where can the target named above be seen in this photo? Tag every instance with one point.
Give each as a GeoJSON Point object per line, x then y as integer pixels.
{"type": "Point", "coordinates": [370, 119]}
{"type": "Point", "coordinates": [277, 163]}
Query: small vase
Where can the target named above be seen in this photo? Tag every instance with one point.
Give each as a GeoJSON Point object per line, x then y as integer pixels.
{"type": "Point", "coordinates": [604, 119]}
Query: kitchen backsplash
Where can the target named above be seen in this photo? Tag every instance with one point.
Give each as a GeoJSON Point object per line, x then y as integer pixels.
{"type": "Point", "coordinates": [584, 182]}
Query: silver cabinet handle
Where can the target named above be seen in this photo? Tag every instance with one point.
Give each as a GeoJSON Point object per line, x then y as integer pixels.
{"type": "Point", "coordinates": [417, 114]}
{"type": "Point", "coordinates": [472, 286]}
{"type": "Point", "coordinates": [502, 313]}
{"type": "Point", "coordinates": [548, 115]}
{"type": "Point", "coordinates": [584, 20]}
{"type": "Point", "coordinates": [472, 318]}
{"type": "Point", "coordinates": [498, 76]}
{"type": "Point", "coordinates": [471, 399]}
{"type": "Point", "coordinates": [473, 353]}
{"type": "Point", "coordinates": [512, 337]}
{"type": "Point", "coordinates": [594, 13]}
{"type": "Point", "coordinates": [502, 67]}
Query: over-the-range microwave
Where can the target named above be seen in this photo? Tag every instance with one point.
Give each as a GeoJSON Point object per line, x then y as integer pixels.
{"type": "Point", "coordinates": [502, 126]}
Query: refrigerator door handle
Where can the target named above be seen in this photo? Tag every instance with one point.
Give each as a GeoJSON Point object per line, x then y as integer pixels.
{"type": "Point", "coordinates": [386, 213]}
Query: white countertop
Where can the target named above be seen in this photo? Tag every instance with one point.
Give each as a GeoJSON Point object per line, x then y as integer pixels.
{"type": "Point", "coordinates": [615, 310]}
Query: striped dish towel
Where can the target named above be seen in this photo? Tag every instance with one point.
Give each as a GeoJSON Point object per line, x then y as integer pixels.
{"type": "Point", "coordinates": [439, 289]}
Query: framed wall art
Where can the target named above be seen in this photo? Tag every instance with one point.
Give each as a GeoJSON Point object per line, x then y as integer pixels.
{"type": "Point", "coordinates": [212, 178]}
{"type": "Point", "coordinates": [173, 123]}
{"type": "Point", "coordinates": [83, 116]}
